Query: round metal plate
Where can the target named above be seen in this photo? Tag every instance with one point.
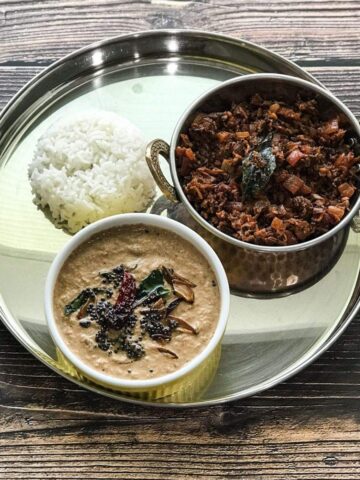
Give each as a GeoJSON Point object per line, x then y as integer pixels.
{"type": "Point", "coordinates": [150, 78]}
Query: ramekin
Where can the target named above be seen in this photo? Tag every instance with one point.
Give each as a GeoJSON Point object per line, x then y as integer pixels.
{"type": "Point", "coordinates": [189, 379]}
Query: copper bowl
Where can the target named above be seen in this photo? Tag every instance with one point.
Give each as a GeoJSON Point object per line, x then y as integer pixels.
{"type": "Point", "coordinates": [256, 269]}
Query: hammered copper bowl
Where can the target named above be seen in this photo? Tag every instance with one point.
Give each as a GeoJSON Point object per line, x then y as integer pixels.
{"type": "Point", "coordinates": [257, 270]}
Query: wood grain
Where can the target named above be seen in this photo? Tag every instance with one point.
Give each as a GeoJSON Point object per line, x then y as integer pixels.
{"type": "Point", "coordinates": [305, 429]}
{"type": "Point", "coordinates": [342, 81]}
{"type": "Point", "coordinates": [313, 32]}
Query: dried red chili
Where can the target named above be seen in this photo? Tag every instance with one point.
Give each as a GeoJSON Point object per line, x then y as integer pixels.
{"type": "Point", "coordinates": [127, 292]}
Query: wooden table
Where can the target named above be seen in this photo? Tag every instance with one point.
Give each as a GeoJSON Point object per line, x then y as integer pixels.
{"type": "Point", "coordinates": [307, 428]}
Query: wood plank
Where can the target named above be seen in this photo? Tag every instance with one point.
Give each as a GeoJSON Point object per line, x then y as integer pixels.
{"type": "Point", "coordinates": [305, 428]}
{"type": "Point", "coordinates": [342, 81]}
{"type": "Point", "coordinates": [272, 445]}
{"type": "Point", "coordinates": [26, 382]}
{"type": "Point", "coordinates": [148, 443]}
{"type": "Point", "coordinates": [321, 31]}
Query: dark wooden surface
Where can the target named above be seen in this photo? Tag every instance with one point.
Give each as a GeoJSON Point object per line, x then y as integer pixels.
{"type": "Point", "coordinates": [307, 428]}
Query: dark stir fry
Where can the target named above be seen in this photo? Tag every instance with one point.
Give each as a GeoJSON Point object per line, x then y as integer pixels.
{"type": "Point", "coordinates": [125, 313]}
{"type": "Point", "coordinates": [270, 173]}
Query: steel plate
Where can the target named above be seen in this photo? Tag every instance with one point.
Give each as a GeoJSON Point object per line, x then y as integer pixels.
{"type": "Point", "coordinates": [150, 77]}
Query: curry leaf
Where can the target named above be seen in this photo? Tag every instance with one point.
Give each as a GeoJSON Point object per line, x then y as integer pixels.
{"type": "Point", "coordinates": [153, 284]}
{"type": "Point", "coordinates": [258, 167]}
{"type": "Point", "coordinates": [78, 302]}
{"type": "Point", "coordinates": [82, 298]}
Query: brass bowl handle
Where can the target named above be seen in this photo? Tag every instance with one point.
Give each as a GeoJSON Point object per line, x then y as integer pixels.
{"type": "Point", "coordinates": [153, 150]}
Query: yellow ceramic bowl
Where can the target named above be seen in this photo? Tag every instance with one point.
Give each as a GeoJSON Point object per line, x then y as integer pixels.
{"type": "Point", "coordinates": [185, 390]}
{"type": "Point", "coordinates": [185, 383]}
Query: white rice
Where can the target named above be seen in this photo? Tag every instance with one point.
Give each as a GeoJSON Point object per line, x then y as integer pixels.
{"type": "Point", "coordinates": [90, 166]}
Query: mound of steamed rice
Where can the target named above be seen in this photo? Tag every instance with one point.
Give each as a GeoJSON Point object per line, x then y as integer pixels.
{"type": "Point", "coordinates": [90, 166]}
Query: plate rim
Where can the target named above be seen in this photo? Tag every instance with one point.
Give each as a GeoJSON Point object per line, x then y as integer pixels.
{"type": "Point", "coordinates": [143, 33]}
{"type": "Point", "coordinates": [352, 306]}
